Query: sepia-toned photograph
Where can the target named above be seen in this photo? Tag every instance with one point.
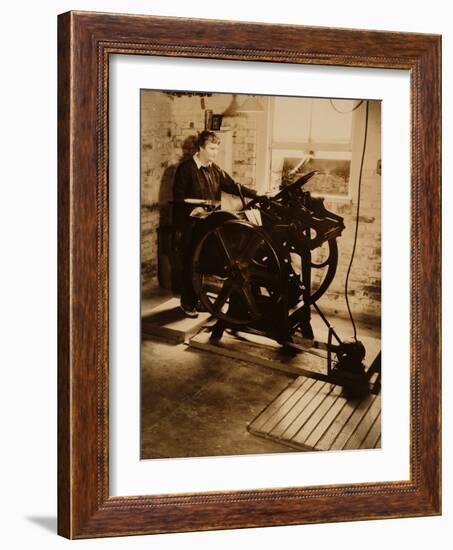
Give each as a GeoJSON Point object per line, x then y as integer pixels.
{"type": "Point", "coordinates": [260, 274]}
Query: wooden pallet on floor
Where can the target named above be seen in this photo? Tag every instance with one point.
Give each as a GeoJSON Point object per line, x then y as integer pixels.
{"type": "Point", "coordinates": [311, 415]}
{"type": "Point", "coordinates": [167, 321]}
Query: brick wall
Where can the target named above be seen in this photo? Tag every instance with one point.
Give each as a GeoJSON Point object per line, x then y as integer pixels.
{"type": "Point", "coordinates": [170, 125]}
{"type": "Point", "coordinates": [365, 277]}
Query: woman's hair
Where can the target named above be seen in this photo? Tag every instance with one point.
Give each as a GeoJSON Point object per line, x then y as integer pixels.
{"type": "Point", "coordinates": [206, 136]}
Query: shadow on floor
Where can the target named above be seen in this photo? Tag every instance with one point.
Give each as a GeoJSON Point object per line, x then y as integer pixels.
{"type": "Point", "coordinates": [49, 523]}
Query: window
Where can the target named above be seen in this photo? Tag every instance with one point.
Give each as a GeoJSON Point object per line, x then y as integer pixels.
{"type": "Point", "coordinates": [312, 134]}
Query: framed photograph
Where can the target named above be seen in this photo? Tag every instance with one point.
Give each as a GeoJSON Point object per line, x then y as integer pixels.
{"type": "Point", "coordinates": [249, 275]}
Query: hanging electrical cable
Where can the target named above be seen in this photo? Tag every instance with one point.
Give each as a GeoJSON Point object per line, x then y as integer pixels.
{"type": "Point", "coordinates": [345, 112]}
{"type": "Point", "coordinates": [359, 188]}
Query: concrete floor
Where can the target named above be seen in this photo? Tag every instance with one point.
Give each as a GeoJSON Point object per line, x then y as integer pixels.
{"type": "Point", "coordinates": [196, 403]}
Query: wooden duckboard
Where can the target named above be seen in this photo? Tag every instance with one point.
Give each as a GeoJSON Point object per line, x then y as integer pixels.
{"type": "Point", "coordinates": [168, 321]}
{"type": "Point", "coordinates": [311, 415]}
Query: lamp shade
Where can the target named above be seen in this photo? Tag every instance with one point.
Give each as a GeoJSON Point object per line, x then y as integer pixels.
{"type": "Point", "coordinates": [251, 105]}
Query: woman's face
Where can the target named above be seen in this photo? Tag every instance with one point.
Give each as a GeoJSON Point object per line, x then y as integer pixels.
{"type": "Point", "coordinates": [209, 152]}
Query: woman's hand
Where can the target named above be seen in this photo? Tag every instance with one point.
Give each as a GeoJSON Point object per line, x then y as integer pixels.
{"type": "Point", "coordinates": [198, 212]}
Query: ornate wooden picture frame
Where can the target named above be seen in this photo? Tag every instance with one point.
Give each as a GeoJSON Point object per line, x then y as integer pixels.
{"type": "Point", "coordinates": [85, 507]}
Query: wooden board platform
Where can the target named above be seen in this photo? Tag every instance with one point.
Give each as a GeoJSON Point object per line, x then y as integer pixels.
{"type": "Point", "coordinates": [258, 350]}
{"type": "Point", "coordinates": [311, 415]}
{"type": "Point", "coordinates": [167, 321]}
{"type": "Point", "coordinates": [265, 352]}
